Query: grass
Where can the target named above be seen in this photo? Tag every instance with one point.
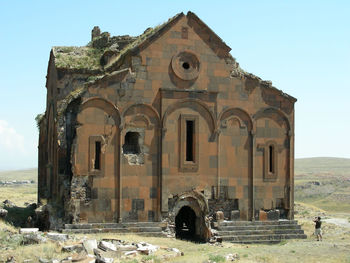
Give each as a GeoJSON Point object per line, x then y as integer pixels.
{"type": "Point", "coordinates": [78, 57]}
{"type": "Point", "coordinates": [28, 174]}
{"type": "Point", "coordinates": [217, 258]}
{"type": "Point", "coordinates": [19, 194]}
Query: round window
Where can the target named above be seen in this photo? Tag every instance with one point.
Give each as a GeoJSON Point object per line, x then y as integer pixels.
{"type": "Point", "coordinates": [185, 65]}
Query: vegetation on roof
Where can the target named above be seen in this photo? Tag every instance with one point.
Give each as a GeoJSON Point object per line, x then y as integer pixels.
{"type": "Point", "coordinates": [39, 118]}
{"type": "Point", "coordinates": [78, 57]}
{"type": "Point", "coordinates": [89, 57]}
{"type": "Point", "coordinates": [141, 38]}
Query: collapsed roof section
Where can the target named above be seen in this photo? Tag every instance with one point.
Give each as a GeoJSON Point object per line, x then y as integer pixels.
{"type": "Point", "coordinates": [104, 54]}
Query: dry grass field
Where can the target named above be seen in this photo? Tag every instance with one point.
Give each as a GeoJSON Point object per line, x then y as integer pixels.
{"type": "Point", "coordinates": [319, 192]}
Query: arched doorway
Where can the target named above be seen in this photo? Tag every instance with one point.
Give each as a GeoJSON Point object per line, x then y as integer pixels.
{"type": "Point", "coordinates": [185, 224]}
{"type": "Point", "coordinates": [188, 214]}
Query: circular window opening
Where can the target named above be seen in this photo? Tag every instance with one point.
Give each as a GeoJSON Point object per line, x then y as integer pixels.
{"type": "Point", "coordinates": [186, 65]}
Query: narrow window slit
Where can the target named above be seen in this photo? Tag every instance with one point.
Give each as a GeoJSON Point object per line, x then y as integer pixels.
{"type": "Point", "coordinates": [190, 141]}
{"type": "Point", "coordinates": [271, 161]}
{"type": "Point", "coordinates": [97, 163]}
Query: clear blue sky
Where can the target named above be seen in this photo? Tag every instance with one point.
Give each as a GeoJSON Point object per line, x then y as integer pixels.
{"type": "Point", "coordinates": [302, 46]}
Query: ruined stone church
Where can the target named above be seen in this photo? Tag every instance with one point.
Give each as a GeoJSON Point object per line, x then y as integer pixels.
{"type": "Point", "coordinates": [163, 126]}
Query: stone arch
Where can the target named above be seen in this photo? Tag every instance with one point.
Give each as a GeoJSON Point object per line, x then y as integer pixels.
{"type": "Point", "coordinates": [283, 161]}
{"type": "Point", "coordinates": [104, 105]}
{"type": "Point", "coordinates": [97, 136]}
{"type": "Point", "coordinates": [242, 116]}
{"type": "Point", "coordinates": [195, 202]}
{"type": "Point", "coordinates": [143, 120]}
{"type": "Point", "coordinates": [229, 165]}
{"type": "Point", "coordinates": [195, 105]}
{"type": "Point", "coordinates": [145, 110]}
{"type": "Point", "coordinates": [278, 116]}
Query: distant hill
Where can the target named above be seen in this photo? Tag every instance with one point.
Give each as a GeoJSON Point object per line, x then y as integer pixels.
{"type": "Point", "coordinates": [322, 165]}
{"type": "Point", "coordinates": [28, 174]}
{"type": "Point", "coordinates": [323, 182]}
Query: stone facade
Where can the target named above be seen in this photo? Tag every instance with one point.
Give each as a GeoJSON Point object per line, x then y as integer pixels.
{"type": "Point", "coordinates": [139, 128]}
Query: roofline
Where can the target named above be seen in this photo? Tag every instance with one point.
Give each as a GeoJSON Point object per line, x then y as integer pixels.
{"type": "Point", "coordinates": [214, 39]}
{"type": "Point", "coordinates": [145, 42]}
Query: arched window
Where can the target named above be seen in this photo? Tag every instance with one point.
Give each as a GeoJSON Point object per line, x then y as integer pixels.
{"type": "Point", "coordinates": [131, 145]}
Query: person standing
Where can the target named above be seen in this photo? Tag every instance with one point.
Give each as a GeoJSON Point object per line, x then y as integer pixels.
{"type": "Point", "coordinates": [318, 231]}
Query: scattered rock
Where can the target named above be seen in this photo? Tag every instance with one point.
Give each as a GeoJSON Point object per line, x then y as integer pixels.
{"type": "Point", "coordinates": [88, 259]}
{"type": "Point", "coordinates": [11, 259]}
{"type": "Point", "coordinates": [73, 248]}
{"type": "Point", "coordinates": [3, 213]}
{"type": "Point", "coordinates": [105, 246]}
{"type": "Point", "coordinates": [232, 257]}
{"type": "Point", "coordinates": [28, 230]}
{"type": "Point", "coordinates": [177, 251]}
{"type": "Point", "coordinates": [126, 247]}
{"type": "Point", "coordinates": [43, 260]}
{"type": "Point", "coordinates": [78, 257]}
{"type": "Point", "coordinates": [131, 253]}
{"type": "Point", "coordinates": [8, 203]}
{"type": "Point", "coordinates": [101, 257]}
{"type": "Point", "coordinates": [33, 238]}
{"type": "Point", "coordinates": [57, 237]}
{"type": "Point", "coordinates": [90, 245]}
{"type": "Point", "coordinates": [146, 248]}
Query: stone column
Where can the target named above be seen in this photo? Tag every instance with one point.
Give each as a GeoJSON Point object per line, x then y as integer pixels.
{"type": "Point", "coordinates": [163, 197]}
{"type": "Point", "coordinates": [291, 175]}
{"type": "Point", "coordinates": [120, 175]}
{"type": "Point", "coordinates": [217, 135]}
{"type": "Point", "coordinates": [252, 176]}
{"type": "Point", "coordinates": [159, 192]}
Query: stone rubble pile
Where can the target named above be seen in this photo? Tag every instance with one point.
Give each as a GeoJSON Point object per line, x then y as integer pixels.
{"type": "Point", "coordinates": [91, 250]}
{"type": "Point", "coordinates": [3, 213]}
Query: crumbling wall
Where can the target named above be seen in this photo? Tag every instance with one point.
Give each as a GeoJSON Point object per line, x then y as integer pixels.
{"type": "Point", "coordinates": [80, 194]}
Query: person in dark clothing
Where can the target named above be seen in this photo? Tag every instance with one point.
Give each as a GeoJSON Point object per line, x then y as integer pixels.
{"type": "Point", "coordinates": [318, 231]}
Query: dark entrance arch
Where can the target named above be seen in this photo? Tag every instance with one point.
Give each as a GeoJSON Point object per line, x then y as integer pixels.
{"type": "Point", "coordinates": [185, 224]}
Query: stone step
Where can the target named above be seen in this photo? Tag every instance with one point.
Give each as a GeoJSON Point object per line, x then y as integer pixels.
{"type": "Point", "coordinates": [261, 232]}
{"type": "Point", "coordinates": [257, 227]}
{"type": "Point", "coordinates": [251, 238]}
{"type": "Point", "coordinates": [258, 223]}
{"type": "Point", "coordinates": [149, 231]}
{"type": "Point", "coordinates": [269, 242]}
{"type": "Point", "coordinates": [115, 225]}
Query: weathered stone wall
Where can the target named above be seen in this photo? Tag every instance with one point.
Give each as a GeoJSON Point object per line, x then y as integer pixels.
{"type": "Point", "coordinates": [242, 143]}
